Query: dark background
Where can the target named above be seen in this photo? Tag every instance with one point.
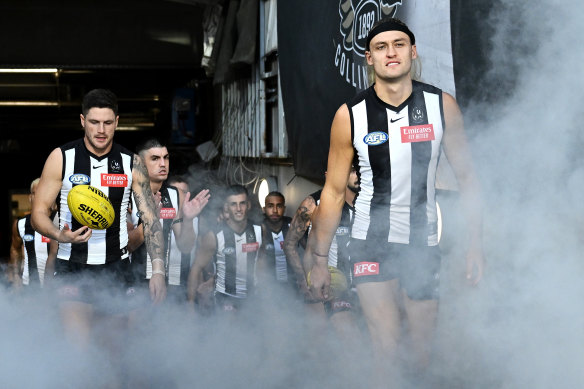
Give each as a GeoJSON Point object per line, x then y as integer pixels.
{"type": "Point", "coordinates": [120, 45]}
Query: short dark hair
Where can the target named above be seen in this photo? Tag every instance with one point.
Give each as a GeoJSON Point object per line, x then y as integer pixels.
{"type": "Point", "coordinates": [99, 98]}
{"type": "Point", "coordinates": [275, 193]}
{"type": "Point", "coordinates": [148, 144]}
{"type": "Point", "coordinates": [235, 190]}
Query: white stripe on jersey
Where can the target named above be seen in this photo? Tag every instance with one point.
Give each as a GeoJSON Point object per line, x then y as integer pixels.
{"type": "Point", "coordinates": [363, 201]}
{"type": "Point", "coordinates": [41, 251]}
{"type": "Point", "coordinates": [434, 116]}
{"type": "Point", "coordinates": [280, 257]}
{"type": "Point", "coordinates": [401, 179]}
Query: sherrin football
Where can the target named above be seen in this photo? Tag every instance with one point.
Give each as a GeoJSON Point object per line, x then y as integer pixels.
{"type": "Point", "coordinates": [339, 284]}
{"type": "Point", "coordinates": [91, 207]}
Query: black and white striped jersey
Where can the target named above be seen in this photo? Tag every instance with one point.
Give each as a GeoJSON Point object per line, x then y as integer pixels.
{"type": "Point", "coordinates": [338, 255]}
{"type": "Point", "coordinates": [36, 252]}
{"type": "Point", "coordinates": [112, 174]}
{"type": "Point", "coordinates": [236, 259]}
{"type": "Point", "coordinates": [396, 154]}
{"type": "Point", "coordinates": [141, 261]}
{"type": "Point", "coordinates": [276, 258]}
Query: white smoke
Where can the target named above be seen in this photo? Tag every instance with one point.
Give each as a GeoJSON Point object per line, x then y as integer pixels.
{"type": "Point", "coordinates": [523, 326]}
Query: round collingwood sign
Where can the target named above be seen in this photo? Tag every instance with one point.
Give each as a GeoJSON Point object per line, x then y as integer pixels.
{"type": "Point", "coordinates": [356, 19]}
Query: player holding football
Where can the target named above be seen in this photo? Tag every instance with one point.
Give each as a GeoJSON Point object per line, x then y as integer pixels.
{"type": "Point", "coordinates": [90, 263]}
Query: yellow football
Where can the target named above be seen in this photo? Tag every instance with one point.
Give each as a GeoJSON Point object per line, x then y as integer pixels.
{"type": "Point", "coordinates": [91, 207]}
{"type": "Point", "coordinates": [339, 284]}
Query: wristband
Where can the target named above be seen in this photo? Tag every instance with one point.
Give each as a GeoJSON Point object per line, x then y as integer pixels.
{"type": "Point", "coordinates": [161, 272]}
{"type": "Point", "coordinates": [157, 259]}
{"type": "Point", "coordinates": [179, 220]}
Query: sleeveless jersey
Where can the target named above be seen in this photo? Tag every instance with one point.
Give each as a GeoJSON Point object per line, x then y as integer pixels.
{"type": "Point", "coordinates": [141, 261]}
{"type": "Point", "coordinates": [112, 174]}
{"type": "Point", "coordinates": [236, 258]}
{"type": "Point", "coordinates": [276, 258]}
{"type": "Point", "coordinates": [396, 154]}
{"type": "Point", "coordinates": [36, 252]}
{"type": "Point", "coordinates": [338, 255]}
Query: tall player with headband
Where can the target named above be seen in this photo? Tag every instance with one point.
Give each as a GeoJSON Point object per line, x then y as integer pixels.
{"type": "Point", "coordinates": [392, 133]}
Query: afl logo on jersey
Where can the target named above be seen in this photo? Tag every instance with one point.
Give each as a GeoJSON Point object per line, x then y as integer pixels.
{"type": "Point", "coordinates": [342, 231]}
{"type": "Point", "coordinates": [229, 250]}
{"type": "Point", "coordinates": [79, 179]}
{"type": "Point", "coordinates": [28, 238]}
{"type": "Point", "coordinates": [269, 246]}
{"type": "Point", "coordinates": [376, 138]}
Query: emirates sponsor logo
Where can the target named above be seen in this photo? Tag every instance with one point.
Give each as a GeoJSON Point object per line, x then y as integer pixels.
{"type": "Point", "coordinates": [250, 247]}
{"type": "Point", "coordinates": [366, 269]}
{"type": "Point", "coordinates": [167, 213]}
{"type": "Point", "coordinates": [422, 133]}
{"type": "Point", "coordinates": [114, 180]}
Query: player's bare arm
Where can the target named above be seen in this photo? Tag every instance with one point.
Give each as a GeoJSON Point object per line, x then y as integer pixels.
{"type": "Point", "coordinates": [298, 227]}
{"type": "Point", "coordinates": [327, 216]}
{"type": "Point", "coordinates": [203, 257]}
{"type": "Point", "coordinates": [152, 228]}
{"type": "Point", "coordinates": [458, 153]}
{"type": "Point", "coordinates": [16, 257]}
{"type": "Point", "coordinates": [47, 190]}
{"type": "Point", "coordinates": [188, 210]}
{"type": "Point", "coordinates": [135, 235]}
{"type": "Point", "coordinates": [50, 265]}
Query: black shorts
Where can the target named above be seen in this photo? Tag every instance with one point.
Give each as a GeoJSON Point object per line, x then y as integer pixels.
{"type": "Point", "coordinates": [416, 267]}
{"type": "Point", "coordinates": [106, 286]}
{"type": "Point", "coordinates": [226, 303]}
{"type": "Point", "coordinates": [338, 304]}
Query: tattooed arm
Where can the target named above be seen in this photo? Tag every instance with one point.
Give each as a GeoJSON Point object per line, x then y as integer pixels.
{"type": "Point", "coordinates": [298, 228]}
{"type": "Point", "coordinates": [152, 228]}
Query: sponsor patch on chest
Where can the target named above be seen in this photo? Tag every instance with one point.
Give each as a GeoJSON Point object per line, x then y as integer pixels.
{"type": "Point", "coordinates": [250, 247]}
{"type": "Point", "coordinates": [114, 180]}
{"type": "Point", "coordinates": [167, 213]}
{"type": "Point", "coordinates": [421, 133]}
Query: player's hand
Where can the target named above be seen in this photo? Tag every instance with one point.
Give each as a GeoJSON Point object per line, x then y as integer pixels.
{"type": "Point", "coordinates": [193, 207]}
{"type": "Point", "coordinates": [304, 289]}
{"type": "Point", "coordinates": [320, 282]}
{"type": "Point", "coordinates": [474, 266]}
{"type": "Point", "coordinates": [205, 294]}
{"type": "Point", "coordinates": [157, 288]}
{"type": "Point", "coordinates": [80, 235]}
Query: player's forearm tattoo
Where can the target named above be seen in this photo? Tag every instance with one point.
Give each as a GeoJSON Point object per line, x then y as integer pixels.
{"type": "Point", "coordinates": [145, 203]}
{"type": "Point", "coordinates": [298, 228]}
